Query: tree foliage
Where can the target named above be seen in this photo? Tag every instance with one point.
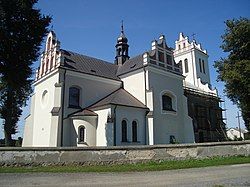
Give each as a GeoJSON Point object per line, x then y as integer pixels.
{"type": "Point", "coordinates": [235, 69]}
{"type": "Point", "coordinates": [22, 28]}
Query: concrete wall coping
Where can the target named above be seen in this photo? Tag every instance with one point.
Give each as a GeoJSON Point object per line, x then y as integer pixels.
{"type": "Point", "coordinates": [137, 147]}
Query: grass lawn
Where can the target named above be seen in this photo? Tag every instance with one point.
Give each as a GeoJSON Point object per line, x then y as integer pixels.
{"type": "Point", "coordinates": [150, 166]}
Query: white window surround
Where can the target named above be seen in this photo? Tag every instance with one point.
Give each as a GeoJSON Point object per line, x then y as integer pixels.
{"type": "Point", "coordinates": [84, 136]}
{"type": "Point", "coordinates": [174, 102]}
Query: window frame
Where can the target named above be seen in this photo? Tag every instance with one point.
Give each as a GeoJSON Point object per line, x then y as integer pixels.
{"type": "Point", "coordinates": [186, 65]}
{"type": "Point", "coordinates": [173, 97]}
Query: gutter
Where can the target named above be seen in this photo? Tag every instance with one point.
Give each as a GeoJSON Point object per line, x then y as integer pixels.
{"type": "Point", "coordinates": [115, 125]}
{"type": "Point", "coordinates": [145, 84]}
{"type": "Point", "coordinates": [64, 77]}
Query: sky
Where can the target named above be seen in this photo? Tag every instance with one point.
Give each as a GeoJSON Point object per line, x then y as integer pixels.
{"type": "Point", "coordinates": [91, 27]}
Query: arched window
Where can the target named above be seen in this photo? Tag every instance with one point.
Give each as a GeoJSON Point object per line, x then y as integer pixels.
{"type": "Point", "coordinates": [124, 131]}
{"type": "Point", "coordinates": [167, 103]}
{"type": "Point", "coordinates": [134, 131]}
{"type": "Point", "coordinates": [186, 65]}
{"type": "Point", "coordinates": [74, 97]}
{"type": "Point", "coordinates": [81, 134]}
{"type": "Point", "coordinates": [184, 45]}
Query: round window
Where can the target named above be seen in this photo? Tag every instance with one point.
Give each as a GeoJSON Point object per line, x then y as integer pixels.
{"type": "Point", "coordinates": [45, 98]}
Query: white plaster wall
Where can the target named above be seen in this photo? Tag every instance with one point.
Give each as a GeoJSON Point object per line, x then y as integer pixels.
{"type": "Point", "coordinates": [231, 133]}
{"type": "Point", "coordinates": [28, 131]}
{"type": "Point", "coordinates": [134, 83]}
{"type": "Point", "coordinates": [205, 77]}
{"type": "Point", "coordinates": [170, 123]}
{"type": "Point", "coordinates": [29, 125]}
{"type": "Point", "coordinates": [101, 136]}
{"type": "Point", "coordinates": [191, 75]}
{"type": "Point", "coordinates": [42, 110]}
{"type": "Point", "coordinates": [150, 131]}
{"type": "Point", "coordinates": [93, 88]}
{"type": "Point", "coordinates": [188, 123]}
{"type": "Point", "coordinates": [90, 131]}
{"type": "Point", "coordinates": [130, 114]}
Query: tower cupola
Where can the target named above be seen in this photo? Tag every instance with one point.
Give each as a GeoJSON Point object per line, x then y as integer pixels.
{"type": "Point", "coordinates": [121, 48]}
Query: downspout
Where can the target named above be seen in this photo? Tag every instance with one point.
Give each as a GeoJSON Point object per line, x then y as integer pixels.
{"type": "Point", "coordinates": [64, 77]}
{"type": "Point", "coordinates": [115, 125]}
{"type": "Point", "coordinates": [145, 85]}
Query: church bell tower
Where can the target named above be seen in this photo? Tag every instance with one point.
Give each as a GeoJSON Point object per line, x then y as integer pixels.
{"type": "Point", "coordinates": [121, 48]}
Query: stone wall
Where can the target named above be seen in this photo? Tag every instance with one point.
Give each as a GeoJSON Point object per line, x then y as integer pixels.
{"type": "Point", "coordinates": [112, 155]}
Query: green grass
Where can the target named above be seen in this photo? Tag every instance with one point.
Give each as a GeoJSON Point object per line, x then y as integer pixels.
{"type": "Point", "coordinates": [150, 166]}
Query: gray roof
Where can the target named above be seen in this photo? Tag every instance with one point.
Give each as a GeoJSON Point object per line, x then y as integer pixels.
{"type": "Point", "coordinates": [89, 65]}
{"type": "Point", "coordinates": [119, 97]}
{"type": "Point", "coordinates": [131, 65]}
{"type": "Point", "coordinates": [85, 112]}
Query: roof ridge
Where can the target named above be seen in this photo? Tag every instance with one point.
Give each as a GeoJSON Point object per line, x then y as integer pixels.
{"type": "Point", "coordinates": [90, 57]}
{"type": "Point", "coordinates": [103, 98]}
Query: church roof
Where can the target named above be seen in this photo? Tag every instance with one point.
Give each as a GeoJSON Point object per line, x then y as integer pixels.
{"type": "Point", "coordinates": [119, 97]}
{"type": "Point", "coordinates": [85, 112]}
{"type": "Point", "coordinates": [131, 65]}
{"type": "Point", "coordinates": [89, 65]}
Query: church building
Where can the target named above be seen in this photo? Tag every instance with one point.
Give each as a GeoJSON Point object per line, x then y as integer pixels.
{"type": "Point", "coordinates": [143, 100]}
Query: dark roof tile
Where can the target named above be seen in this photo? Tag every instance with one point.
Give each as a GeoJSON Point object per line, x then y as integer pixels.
{"type": "Point", "coordinates": [131, 65]}
{"type": "Point", "coordinates": [119, 97]}
{"type": "Point", "coordinates": [89, 65]}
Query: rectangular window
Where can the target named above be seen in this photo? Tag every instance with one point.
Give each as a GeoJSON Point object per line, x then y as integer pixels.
{"type": "Point", "coordinates": [186, 65]}
{"type": "Point", "coordinates": [161, 56]}
{"type": "Point", "coordinates": [74, 97]}
{"type": "Point", "coordinates": [166, 103]}
{"type": "Point", "coordinates": [200, 65]}
{"type": "Point", "coordinates": [203, 64]}
{"type": "Point", "coordinates": [169, 60]}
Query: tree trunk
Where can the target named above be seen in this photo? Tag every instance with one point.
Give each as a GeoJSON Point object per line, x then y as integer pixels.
{"type": "Point", "coordinates": [8, 118]}
{"type": "Point", "coordinates": [8, 138]}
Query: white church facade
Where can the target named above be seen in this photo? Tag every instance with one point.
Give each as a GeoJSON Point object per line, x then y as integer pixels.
{"type": "Point", "coordinates": [83, 101]}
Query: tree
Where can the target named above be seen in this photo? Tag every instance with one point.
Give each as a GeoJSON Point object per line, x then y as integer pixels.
{"type": "Point", "coordinates": [235, 69]}
{"type": "Point", "coordinates": [22, 28]}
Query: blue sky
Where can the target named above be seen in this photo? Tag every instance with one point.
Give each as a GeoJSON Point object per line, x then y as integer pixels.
{"type": "Point", "coordinates": [91, 27]}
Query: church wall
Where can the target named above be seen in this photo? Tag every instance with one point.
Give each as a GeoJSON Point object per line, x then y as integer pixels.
{"type": "Point", "coordinates": [168, 123]}
{"type": "Point", "coordinates": [89, 123]}
{"type": "Point", "coordinates": [134, 83]}
{"type": "Point", "coordinates": [205, 78]}
{"type": "Point", "coordinates": [130, 114]}
{"type": "Point", "coordinates": [29, 125]}
{"type": "Point", "coordinates": [101, 136]}
{"type": "Point", "coordinates": [92, 89]}
{"type": "Point", "coordinates": [190, 76]}
{"type": "Point", "coordinates": [44, 102]}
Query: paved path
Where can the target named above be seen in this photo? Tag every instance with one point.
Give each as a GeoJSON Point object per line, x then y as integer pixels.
{"type": "Point", "coordinates": [234, 175]}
